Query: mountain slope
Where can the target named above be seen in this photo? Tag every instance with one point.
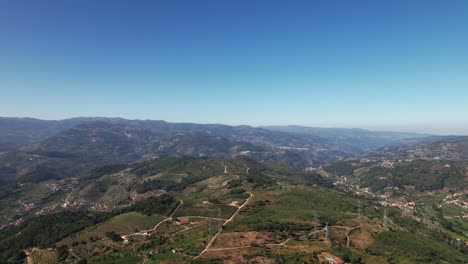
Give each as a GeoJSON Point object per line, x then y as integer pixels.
{"type": "Point", "coordinates": [216, 211]}
{"type": "Point", "coordinates": [71, 147]}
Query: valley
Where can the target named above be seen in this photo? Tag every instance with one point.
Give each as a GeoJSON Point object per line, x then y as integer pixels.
{"type": "Point", "coordinates": [400, 204]}
{"type": "Point", "coordinates": [233, 132]}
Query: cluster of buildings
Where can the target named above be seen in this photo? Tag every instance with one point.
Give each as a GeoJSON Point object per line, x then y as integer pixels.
{"type": "Point", "coordinates": [179, 251]}
{"type": "Point", "coordinates": [63, 184]}
{"type": "Point", "coordinates": [14, 223]}
{"type": "Point", "coordinates": [457, 199]}
{"type": "Point", "coordinates": [341, 180]}
{"type": "Point", "coordinates": [27, 206]}
{"type": "Point", "coordinates": [47, 210]}
{"type": "Point", "coordinates": [98, 207]}
{"type": "Point", "coordinates": [404, 205]}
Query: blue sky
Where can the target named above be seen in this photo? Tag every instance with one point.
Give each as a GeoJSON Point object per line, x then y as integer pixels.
{"type": "Point", "coordinates": [393, 65]}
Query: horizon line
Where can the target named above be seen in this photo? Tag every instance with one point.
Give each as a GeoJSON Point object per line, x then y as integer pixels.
{"type": "Point", "coordinates": [236, 125]}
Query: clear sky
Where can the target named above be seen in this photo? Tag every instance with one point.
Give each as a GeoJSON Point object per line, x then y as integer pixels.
{"type": "Point", "coordinates": [395, 65]}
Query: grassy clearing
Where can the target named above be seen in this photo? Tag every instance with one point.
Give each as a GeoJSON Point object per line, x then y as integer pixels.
{"type": "Point", "coordinates": [43, 257]}
{"type": "Point", "coordinates": [296, 205]}
{"type": "Point", "coordinates": [136, 220]}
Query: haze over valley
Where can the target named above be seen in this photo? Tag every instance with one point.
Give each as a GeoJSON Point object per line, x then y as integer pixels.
{"type": "Point", "coordinates": [131, 188]}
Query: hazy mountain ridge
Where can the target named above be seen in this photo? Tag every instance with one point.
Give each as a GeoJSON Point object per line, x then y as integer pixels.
{"type": "Point", "coordinates": [20, 132]}
{"type": "Point", "coordinates": [62, 179]}
{"type": "Point", "coordinates": [355, 139]}
{"type": "Point", "coordinates": [23, 131]}
{"type": "Point", "coordinates": [346, 132]}
{"type": "Point", "coordinates": [85, 143]}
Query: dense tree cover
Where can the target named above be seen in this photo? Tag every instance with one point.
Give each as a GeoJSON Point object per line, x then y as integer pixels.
{"type": "Point", "coordinates": [53, 154]}
{"type": "Point", "coordinates": [113, 236]}
{"type": "Point", "coordinates": [237, 190]}
{"type": "Point", "coordinates": [317, 179]}
{"type": "Point", "coordinates": [7, 173]}
{"type": "Point", "coordinates": [424, 175]}
{"type": "Point", "coordinates": [101, 171]}
{"type": "Point", "coordinates": [150, 185]}
{"type": "Point", "coordinates": [62, 253]}
{"type": "Point", "coordinates": [41, 173]}
{"type": "Point", "coordinates": [6, 189]}
{"type": "Point", "coordinates": [185, 182]}
{"type": "Point", "coordinates": [348, 255]}
{"type": "Point", "coordinates": [402, 246]}
{"type": "Point", "coordinates": [340, 168]}
{"type": "Point", "coordinates": [44, 231]}
{"type": "Point", "coordinates": [234, 184]}
{"type": "Point", "coordinates": [260, 180]}
{"type": "Point", "coordinates": [163, 204]}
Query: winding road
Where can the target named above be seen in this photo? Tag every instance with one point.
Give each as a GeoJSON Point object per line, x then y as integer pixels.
{"type": "Point", "coordinates": [208, 246]}
{"type": "Point", "coordinates": [225, 223]}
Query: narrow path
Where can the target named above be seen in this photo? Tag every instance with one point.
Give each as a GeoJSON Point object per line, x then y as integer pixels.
{"type": "Point", "coordinates": [348, 230]}
{"type": "Point", "coordinates": [205, 217]}
{"type": "Point", "coordinates": [347, 227]}
{"type": "Point", "coordinates": [231, 248]}
{"type": "Point", "coordinates": [317, 231]}
{"type": "Point", "coordinates": [73, 253]}
{"type": "Point", "coordinates": [225, 223]}
{"type": "Point", "coordinates": [146, 232]}
{"type": "Point", "coordinates": [284, 242]}
{"type": "Point", "coordinates": [186, 229]}
{"type": "Point", "coordinates": [65, 202]}
{"type": "Point", "coordinates": [177, 208]}
{"type": "Point", "coordinates": [225, 168]}
{"type": "Point", "coordinates": [240, 208]}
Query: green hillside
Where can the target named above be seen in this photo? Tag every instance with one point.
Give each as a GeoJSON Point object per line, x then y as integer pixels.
{"type": "Point", "coordinates": [168, 210]}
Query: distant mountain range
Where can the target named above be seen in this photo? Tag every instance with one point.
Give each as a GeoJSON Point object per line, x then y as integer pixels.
{"type": "Point", "coordinates": [70, 187]}
{"type": "Point", "coordinates": [18, 132]}
{"type": "Point", "coordinates": [33, 148]}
